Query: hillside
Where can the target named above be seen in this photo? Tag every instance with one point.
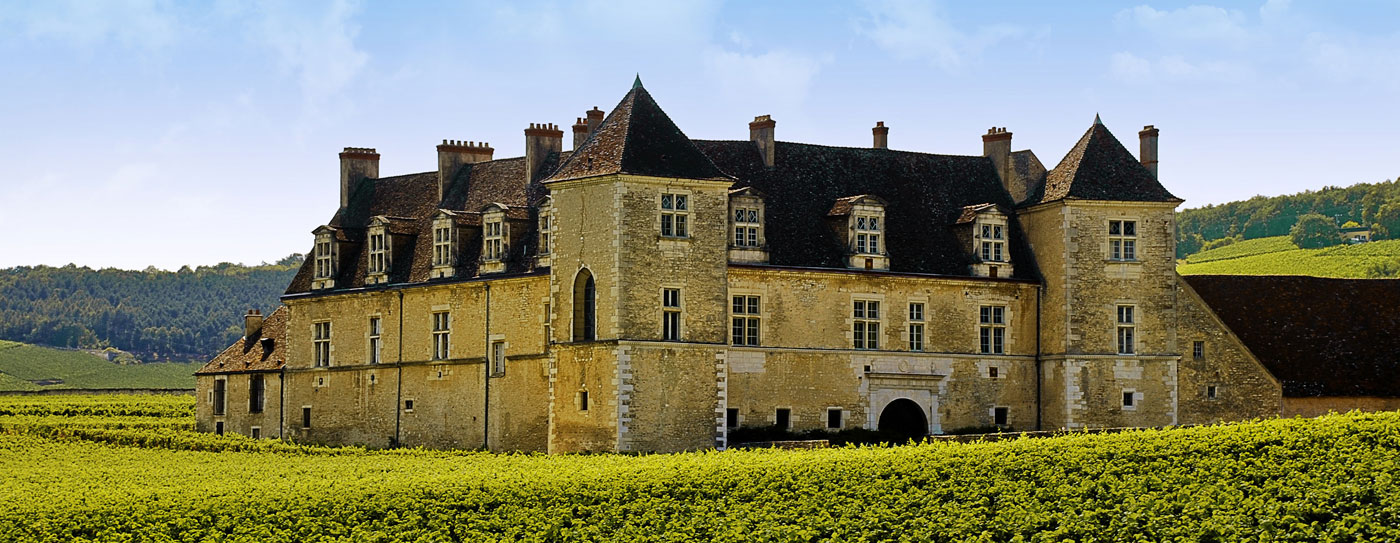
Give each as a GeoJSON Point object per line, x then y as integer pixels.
{"type": "Point", "coordinates": [23, 367]}
{"type": "Point", "coordinates": [185, 315]}
{"type": "Point", "coordinates": [127, 468]}
{"type": "Point", "coordinates": [1268, 216]}
{"type": "Point", "coordinates": [1278, 256]}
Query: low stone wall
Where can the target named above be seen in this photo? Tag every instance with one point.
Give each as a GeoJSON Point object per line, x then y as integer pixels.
{"type": "Point", "coordinates": [82, 391]}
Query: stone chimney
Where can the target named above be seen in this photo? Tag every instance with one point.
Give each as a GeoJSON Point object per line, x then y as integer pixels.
{"type": "Point", "coordinates": [1148, 153]}
{"type": "Point", "coordinates": [996, 145]}
{"type": "Point", "coordinates": [580, 133]}
{"type": "Point", "coordinates": [595, 118]}
{"type": "Point", "coordinates": [252, 323]}
{"type": "Point", "coordinates": [540, 140]}
{"type": "Point", "coordinates": [761, 133]}
{"type": "Point", "coordinates": [356, 164]}
{"type": "Point", "coordinates": [882, 135]}
{"type": "Point", "coordinates": [452, 155]}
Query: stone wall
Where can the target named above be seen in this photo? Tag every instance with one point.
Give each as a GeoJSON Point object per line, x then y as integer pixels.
{"type": "Point", "coordinates": [237, 418]}
{"type": "Point", "coordinates": [1244, 389]}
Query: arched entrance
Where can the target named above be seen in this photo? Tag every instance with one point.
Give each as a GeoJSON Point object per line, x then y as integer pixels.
{"type": "Point", "coordinates": [904, 419]}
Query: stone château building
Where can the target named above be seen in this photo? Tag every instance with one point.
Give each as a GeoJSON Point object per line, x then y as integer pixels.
{"type": "Point", "coordinates": [645, 291]}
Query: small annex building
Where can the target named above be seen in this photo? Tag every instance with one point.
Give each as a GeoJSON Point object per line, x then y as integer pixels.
{"type": "Point", "coordinates": [645, 291]}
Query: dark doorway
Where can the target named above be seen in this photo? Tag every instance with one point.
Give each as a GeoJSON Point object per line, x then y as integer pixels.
{"type": "Point", "coordinates": [904, 419]}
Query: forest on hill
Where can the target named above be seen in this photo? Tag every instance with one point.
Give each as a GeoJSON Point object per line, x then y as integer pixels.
{"type": "Point", "coordinates": [1367, 204]}
{"type": "Point", "coordinates": [184, 315]}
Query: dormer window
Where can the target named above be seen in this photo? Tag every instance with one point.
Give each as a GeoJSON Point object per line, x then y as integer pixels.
{"type": "Point", "coordinates": [746, 242]}
{"type": "Point", "coordinates": [544, 232]}
{"type": "Point", "coordinates": [444, 246]}
{"type": "Point", "coordinates": [495, 239]}
{"type": "Point", "coordinates": [985, 228]}
{"type": "Point", "coordinates": [993, 243]}
{"type": "Point", "coordinates": [493, 243]}
{"type": "Point", "coordinates": [546, 227]}
{"type": "Point", "coordinates": [378, 244]}
{"type": "Point", "coordinates": [675, 215]}
{"type": "Point", "coordinates": [864, 230]}
{"type": "Point", "coordinates": [324, 264]}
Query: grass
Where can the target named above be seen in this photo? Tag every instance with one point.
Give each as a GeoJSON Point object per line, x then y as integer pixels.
{"type": "Point", "coordinates": [1278, 256]}
{"type": "Point", "coordinates": [21, 365]}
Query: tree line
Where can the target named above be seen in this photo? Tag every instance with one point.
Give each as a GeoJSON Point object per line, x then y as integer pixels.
{"type": "Point", "coordinates": [1376, 205]}
{"type": "Point", "coordinates": [189, 314]}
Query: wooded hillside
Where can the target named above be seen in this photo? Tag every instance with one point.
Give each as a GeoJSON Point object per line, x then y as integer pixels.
{"type": "Point", "coordinates": [1367, 204]}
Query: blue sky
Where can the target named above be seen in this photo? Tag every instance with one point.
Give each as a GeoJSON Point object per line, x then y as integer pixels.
{"type": "Point", "coordinates": [143, 132]}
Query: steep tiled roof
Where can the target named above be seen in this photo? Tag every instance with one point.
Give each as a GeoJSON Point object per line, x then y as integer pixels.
{"type": "Point", "coordinates": [1319, 336]}
{"type": "Point", "coordinates": [1098, 168]}
{"type": "Point", "coordinates": [637, 137]}
{"type": "Point", "coordinates": [969, 213]}
{"type": "Point", "coordinates": [266, 352]}
{"type": "Point", "coordinates": [926, 194]}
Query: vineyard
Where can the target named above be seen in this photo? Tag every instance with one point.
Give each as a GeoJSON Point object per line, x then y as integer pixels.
{"type": "Point", "coordinates": [23, 367]}
{"type": "Point", "coordinates": [81, 470]}
{"type": "Point", "coordinates": [1278, 256]}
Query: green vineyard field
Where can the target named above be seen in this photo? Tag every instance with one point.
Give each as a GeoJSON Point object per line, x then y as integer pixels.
{"type": "Point", "coordinates": [1278, 256]}
{"type": "Point", "coordinates": [134, 471]}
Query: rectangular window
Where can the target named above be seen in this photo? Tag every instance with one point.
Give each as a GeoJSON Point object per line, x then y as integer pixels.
{"type": "Point", "coordinates": [306, 417]}
{"type": "Point", "coordinates": [671, 314]}
{"type": "Point", "coordinates": [498, 358]}
{"type": "Point", "coordinates": [867, 235]}
{"type": "Point", "coordinates": [583, 400]}
{"type": "Point", "coordinates": [833, 418]}
{"type": "Point", "coordinates": [544, 234]}
{"type": "Point", "coordinates": [1127, 328]}
{"type": "Point", "coordinates": [993, 372]}
{"type": "Point", "coordinates": [784, 418]}
{"type": "Point", "coordinates": [493, 242]}
{"type": "Point", "coordinates": [408, 406]}
{"type": "Point", "coordinates": [378, 253]}
{"type": "Point", "coordinates": [324, 257]}
{"type": "Point", "coordinates": [992, 329]}
{"type": "Point", "coordinates": [442, 244]}
{"type": "Point", "coordinates": [220, 396]}
{"type": "Point", "coordinates": [866, 325]}
{"type": "Point", "coordinates": [256, 393]}
{"type": "Point", "coordinates": [916, 326]}
{"type": "Point", "coordinates": [731, 418]}
{"type": "Point", "coordinates": [1129, 398]}
{"type": "Point", "coordinates": [256, 432]}
{"type": "Point", "coordinates": [1198, 350]}
{"type": "Point", "coordinates": [1212, 392]}
{"type": "Point", "coordinates": [675, 212]}
{"type": "Point", "coordinates": [375, 342]}
{"type": "Point", "coordinates": [745, 320]}
{"type": "Point", "coordinates": [219, 428]}
{"type": "Point", "coordinates": [993, 243]}
{"type": "Point", "coordinates": [442, 335]}
{"type": "Point", "coordinates": [746, 227]}
{"type": "Point", "coordinates": [1122, 240]}
{"type": "Point", "coordinates": [321, 338]}
{"type": "Point", "coordinates": [999, 415]}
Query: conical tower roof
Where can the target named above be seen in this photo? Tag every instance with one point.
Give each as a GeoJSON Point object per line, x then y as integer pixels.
{"type": "Point", "coordinates": [638, 138]}
{"type": "Point", "coordinates": [1099, 168]}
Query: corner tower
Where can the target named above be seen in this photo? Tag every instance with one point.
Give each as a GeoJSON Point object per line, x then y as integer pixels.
{"type": "Point", "coordinates": [639, 259]}
{"type": "Point", "coordinates": [1103, 231]}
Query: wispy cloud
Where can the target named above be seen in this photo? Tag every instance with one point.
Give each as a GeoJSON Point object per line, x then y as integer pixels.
{"type": "Point", "coordinates": [145, 24]}
{"type": "Point", "coordinates": [919, 30]}
{"type": "Point", "coordinates": [316, 45]}
{"type": "Point", "coordinates": [775, 77]}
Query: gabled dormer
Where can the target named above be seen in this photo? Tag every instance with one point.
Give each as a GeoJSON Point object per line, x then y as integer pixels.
{"type": "Point", "coordinates": [444, 245]}
{"type": "Point", "coordinates": [746, 218]}
{"type": "Point", "coordinates": [379, 244]}
{"type": "Point", "coordinates": [326, 258]}
{"type": "Point", "coordinates": [864, 219]}
{"type": "Point", "coordinates": [545, 246]}
{"type": "Point", "coordinates": [986, 231]}
{"type": "Point", "coordinates": [495, 238]}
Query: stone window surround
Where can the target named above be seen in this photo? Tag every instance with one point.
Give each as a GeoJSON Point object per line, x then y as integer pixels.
{"type": "Point", "coordinates": [441, 326]}
{"type": "Point", "coordinates": [840, 417]}
{"type": "Point", "coordinates": [667, 308]}
{"type": "Point", "coordinates": [761, 316]}
{"type": "Point", "coordinates": [1127, 242]}
{"type": "Point", "coordinates": [993, 224]}
{"type": "Point", "coordinates": [444, 246]}
{"type": "Point", "coordinates": [915, 332]}
{"type": "Point", "coordinates": [218, 401]}
{"type": "Point", "coordinates": [322, 346]}
{"type": "Point", "coordinates": [1130, 399]}
{"type": "Point", "coordinates": [495, 230]}
{"type": "Point", "coordinates": [374, 339]}
{"type": "Point", "coordinates": [1004, 326]}
{"type": "Point", "coordinates": [1134, 317]}
{"type": "Point", "coordinates": [499, 350]}
{"type": "Point", "coordinates": [380, 254]}
{"type": "Point", "coordinates": [1005, 415]}
{"type": "Point", "coordinates": [752, 225]}
{"type": "Point", "coordinates": [324, 261]}
{"type": "Point", "coordinates": [878, 321]}
{"type": "Point", "coordinates": [680, 223]}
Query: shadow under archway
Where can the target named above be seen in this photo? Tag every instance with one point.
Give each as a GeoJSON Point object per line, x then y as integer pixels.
{"type": "Point", "coordinates": [904, 419]}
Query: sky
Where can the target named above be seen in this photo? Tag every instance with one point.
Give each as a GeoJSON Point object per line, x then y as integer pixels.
{"type": "Point", "coordinates": [143, 133]}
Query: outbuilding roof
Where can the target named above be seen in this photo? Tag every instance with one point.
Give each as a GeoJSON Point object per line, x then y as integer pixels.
{"type": "Point", "coordinates": [264, 352]}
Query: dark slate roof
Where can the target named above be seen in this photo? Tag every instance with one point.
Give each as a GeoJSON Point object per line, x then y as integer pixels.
{"type": "Point", "coordinates": [1097, 168]}
{"type": "Point", "coordinates": [1318, 336]}
{"type": "Point", "coordinates": [638, 138]}
{"type": "Point", "coordinates": [969, 213]}
{"type": "Point", "coordinates": [411, 201]}
{"type": "Point", "coordinates": [266, 352]}
{"type": "Point", "coordinates": [926, 194]}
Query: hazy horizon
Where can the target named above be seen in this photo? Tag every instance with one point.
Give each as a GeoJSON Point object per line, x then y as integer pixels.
{"type": "Point", "coordinates": [150, 133]}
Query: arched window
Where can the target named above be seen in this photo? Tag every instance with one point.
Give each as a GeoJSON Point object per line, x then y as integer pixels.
{"type": "Point", "coordinates": [585, 306]}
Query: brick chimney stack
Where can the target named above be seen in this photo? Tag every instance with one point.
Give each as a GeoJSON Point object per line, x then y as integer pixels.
{"type": "Point", "coordinates": [1147, 138]}
{"type": "Point", "coordinates": [580, 132]}
{"type": "Point", "coordinates": [252, 323]}
{"type": "Point", "coordinates": [356, 164]}
{"type": "Point", "coordinates": [996, 145]}
{"type": "Point", "coordinates": [882, 135]}
{"type": "Point", "coordinates": [595, 118]}
{"type": "Point", "coordinates": [761, 133]}
{"type": "Point", "coordinates": [452, 155]}
{"type": "Point", "coordinates": [540, 140]}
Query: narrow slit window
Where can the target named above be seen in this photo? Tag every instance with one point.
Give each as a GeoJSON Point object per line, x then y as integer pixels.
{"type": "Point", "coordinates": [1127, 329]}
{"type": "Point", "coordinates": [375, 339]}
{"type": "Point", "coordinates": [916, 326]}
{"type": "Point", "coordinates": [321, 339]}
{"type": "Point", "coordinates": [671, 314]}
{"type": "Point", "coordinates": [442, 335]}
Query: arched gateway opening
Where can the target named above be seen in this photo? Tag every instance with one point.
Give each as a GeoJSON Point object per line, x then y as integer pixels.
{"type": "Point", "coordinates": [904, 419]}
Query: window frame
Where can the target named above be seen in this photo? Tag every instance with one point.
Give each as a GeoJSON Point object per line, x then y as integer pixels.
{"type": "Point", "coordinates": [674, 209]}
{"type": "Point", "coordinates": [840, 418]}
{"type": "Point", "coordinates": [375, 335]}
{"type": "Point", "coordinates": [865, 324]}
{"type": "Point", "coordinates": [746, 223]}
{"type": "Point", "coordinates": [916, 326]}
{"type": "Point", "coordinates": [442, 335]}
{"type": "Point", "coordinates": [220, 397]}
{"type": "Point", "coordinates": [379, 259]}
{"type": "Point", "coordinates": [868, 231]}
{"type": "Point", "coordinates": [493, 239]}
{"type": "Point", "coordinates": [991, 329]}
{"type": "Point", "coordinates": [324, 257]}
{"type": "Point", "coordinates": [782, 418]}
{"type": "Point", "coordinates": [1122, 240]}
{"type": "Point", "coordinates": [498, 357]}
{"type": "Point", "coordinates": [670, 314]}
{"type": "Point", "coordinates": [444, 248]}
{"type": "Point", "coordinates": [1001, 415]}
{"type": "Point", "coordinates": [993, 242]}
{"type": "Point", "coordinates": [1198, 350]}
{"type": "Point", "coordinates": [746, 317]}
{"type": "Point", "coordinates": [1126, 329]}
{"type": "Point", "coordinates": [546, 224]}
{"type": "Point", "coordinates": [321, 336]}
{"type": "Point", "coordinates": [257, 393]}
